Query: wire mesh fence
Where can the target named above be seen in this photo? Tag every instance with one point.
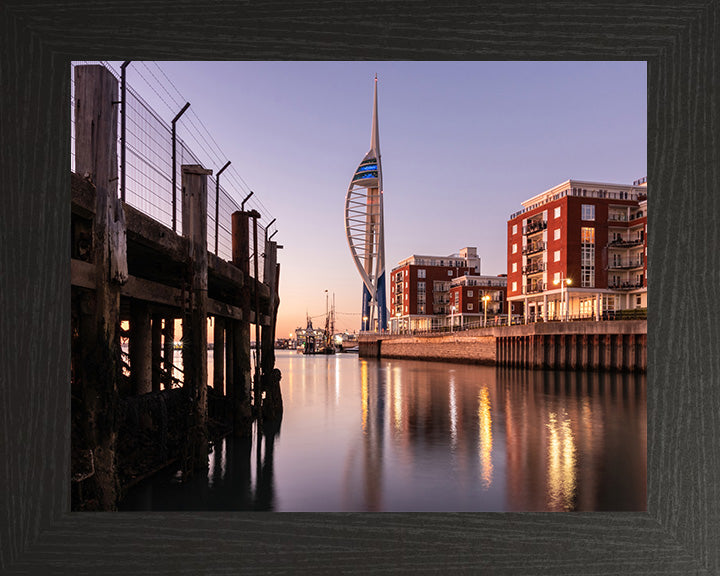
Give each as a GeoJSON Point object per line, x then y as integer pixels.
{"type": "Point", "coordinates": [149, 168]}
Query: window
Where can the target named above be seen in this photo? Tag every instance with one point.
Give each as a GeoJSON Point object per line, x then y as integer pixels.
{"type": "Point", "coordinates": [421, 287]}
{"type": "Point", "coordinates": [514, 248]}
{"type": "Point", "coordinates": [514, 286]}
{"type": "Point", "coordinates": [588, 212]}
{"type": "Point", "coordinates": [421, 308]}
{"type": "Point", "coordinates": [556, 234]}
{"type": "Point", "coordinates": [556, 213]}
{"type": "Point", "coordinates": [470, 306]}
{"type": "Point", "coordinates": [556, 256]}
{"type": "Point", "coordinates": [514, 266]}
{"type": "Point", "coordinates": [556, 278]}
{"type": "Point", "coordinates": [449, 272]}
{"type": "Point", "coordinates": [587, 257]}
{"type": "Point", "coordinates": [421, 273]}
{"type": "Point", "coordinates": [470, 294]}
{"type": "Point", "coordinates": [514, 229]}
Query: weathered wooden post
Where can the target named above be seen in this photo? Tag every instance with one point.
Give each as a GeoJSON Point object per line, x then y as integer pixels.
{"type": "Point", "coordinates": [242, 417]}
{"type": "Point", "coordinates": [168, 350]}
{"type": "Point", "coordinates": [194, 227]}
{"type": "Point", "coordinates": [98, 373]}
{"type": "Point", "coordinates": [156, 354]}
{"type": "Point", "coordinates": [218, 355]}
{"type": "Point", "coordinates": [140, 347]}
{"type": "Point", "coordinates": [272, 407]}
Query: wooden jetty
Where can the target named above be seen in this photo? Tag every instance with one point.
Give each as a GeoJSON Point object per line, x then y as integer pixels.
{"type": "Point", "coordinates": [127, 267]}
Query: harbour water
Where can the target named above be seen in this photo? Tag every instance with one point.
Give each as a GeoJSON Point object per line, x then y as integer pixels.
{"type": "Point", "coordinates": [401, 435]}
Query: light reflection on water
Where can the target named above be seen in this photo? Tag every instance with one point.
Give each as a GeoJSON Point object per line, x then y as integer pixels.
{"type": "Point", "coordinates": [376, 435]}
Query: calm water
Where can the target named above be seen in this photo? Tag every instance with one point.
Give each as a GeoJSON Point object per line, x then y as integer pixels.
{"type": "Point", "coordinates": [401, 435]}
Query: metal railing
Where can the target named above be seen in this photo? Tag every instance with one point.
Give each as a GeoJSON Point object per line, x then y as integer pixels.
{"type": "Point", "coordinates": [148, 174]}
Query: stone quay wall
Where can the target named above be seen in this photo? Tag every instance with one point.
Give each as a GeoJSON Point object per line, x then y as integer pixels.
{"type": "Point", "coordinates": [614, 345]}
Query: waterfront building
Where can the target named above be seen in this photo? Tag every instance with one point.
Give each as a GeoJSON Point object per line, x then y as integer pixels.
{"type": "Point", "coordinates": [364, 229]}
{"type": "Point", "coordinates": [467, 299]}
{"type": "Point", "coordinates": [579, 250]}
{"type": "Point", "coordinates": [424, 290]}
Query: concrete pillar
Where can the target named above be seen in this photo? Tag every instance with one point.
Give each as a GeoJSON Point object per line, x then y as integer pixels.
{"type": "Point", "coordinates": [641, 358]}
{"type": "Point", "coordinates": [168, 350]}
{"type": "Point", "coordinates": [585, 352]}
{"type": "Point", "coordinates": [194, 227]}
{"type": "Point", "coordinates": [545, 307]}
{"type": "Point", "coordinates": [96, 93]}
{"type": "Point", "coordinates": [562, 350]}
{"type": "Point", "coordinates": [156, 355]}
{"type": "Point", "coordinates": [140, 347]}
{"type": "Point", "coordinates": [219, 355]}
{"type": "Point", "coordinates": [630, 353]}
{"type": "Point", "coordinates": [551, 351]}
{"type": "Point", "coordinates": [619, 352]}
{"type": "Point", "coordinates": [594, 360]}
{"type": "Point", "coordinates": [598, 306]}
{"type": "Point", "coordinates": [607, 352]}
{"type": "Point", "coordinates": [573, 357]}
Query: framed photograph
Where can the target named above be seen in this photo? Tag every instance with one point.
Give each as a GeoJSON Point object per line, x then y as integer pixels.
{"type": "Point", "coordinates": [680, 531]}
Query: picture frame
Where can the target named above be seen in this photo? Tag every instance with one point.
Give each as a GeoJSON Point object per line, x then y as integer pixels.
{"type": "Point", "coordinates": [680, 532]}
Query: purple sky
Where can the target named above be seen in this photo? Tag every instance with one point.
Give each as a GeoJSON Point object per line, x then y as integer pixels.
{"type": "Point", "coordinates": [463, 144]}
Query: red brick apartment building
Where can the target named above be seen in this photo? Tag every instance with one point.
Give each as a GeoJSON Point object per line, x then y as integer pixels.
{"type": "Point", "coordinates": [579, 250]}
{"type": "Point", "coordinates": [427, 292]}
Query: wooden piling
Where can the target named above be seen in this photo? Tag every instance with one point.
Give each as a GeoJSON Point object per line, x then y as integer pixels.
{"type": "Point", "coordinates": [219, 355]}
{"type": "Point", "coordinates": [156, 351]}
{"type": "Point", "coordinates": [272, 404]}
{"type": "Point", "coordinates": [241, 380]}
{"type": "Point", "coordinates": [140, 347]}
{"type": "Point", "coordinates": [98, 371]}
{"type": "Point", "coordinates": [194, 227]}
{"type": "Point", "coordinates": [168, 350]}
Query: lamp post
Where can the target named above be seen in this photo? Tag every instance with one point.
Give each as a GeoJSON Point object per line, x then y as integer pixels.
{"type": "Point", "coordinates": [563, 291]}
{"type": "Point", "coordinates": [485, 299]}
{"type": "Point", "coordinates": [364, 324]}
{"type": "Point", "coordinates": [452, 318]}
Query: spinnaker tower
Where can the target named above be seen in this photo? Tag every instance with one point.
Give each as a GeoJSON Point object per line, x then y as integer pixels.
{"type": "Point", "coordinates": [365, 230]}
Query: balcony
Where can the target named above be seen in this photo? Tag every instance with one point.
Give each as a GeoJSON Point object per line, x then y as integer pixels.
{"type": "Point", "coordinates": [534, 268]}
{"type": "Point", "coordinates": [625, 286]}
{"type": "Point", "coordinates": [622, 243]}
{"type": "Point", "coordinates": [533, 248]}
{"type": "Point", "coordinates": [625, 264]}
{"type": "Point", "coordinates": [534, 226]}
{"type": "Point", "coordinates": [533, 288]}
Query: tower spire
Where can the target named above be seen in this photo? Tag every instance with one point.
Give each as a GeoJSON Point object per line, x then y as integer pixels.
{"type": "Point", "coordinates": [375, 134]}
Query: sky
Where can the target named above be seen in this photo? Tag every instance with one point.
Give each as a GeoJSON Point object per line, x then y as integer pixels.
{"type": "Point", "coordinates": [463, 144]}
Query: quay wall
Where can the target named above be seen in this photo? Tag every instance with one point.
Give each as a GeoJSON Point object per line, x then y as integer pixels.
{"type": "Point", "coordinates": [614, 345]}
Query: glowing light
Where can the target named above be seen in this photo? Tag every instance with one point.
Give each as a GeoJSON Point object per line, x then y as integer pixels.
{"type": "Point", "coordinates": [486, 440]}
{"type": "Point", "coordinates": [561, 463]}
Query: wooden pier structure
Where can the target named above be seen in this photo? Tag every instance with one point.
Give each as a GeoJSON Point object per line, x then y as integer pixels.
{"type": "Point", "coordinates": [133, 414]}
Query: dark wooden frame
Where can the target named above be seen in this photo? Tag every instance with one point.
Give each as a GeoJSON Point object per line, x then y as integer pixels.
{"type": "Point", "coordinates": [680, 533]}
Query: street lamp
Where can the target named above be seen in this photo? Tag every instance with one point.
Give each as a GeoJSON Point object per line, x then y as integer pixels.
{"type": "Point", "coordinates": [452, 318]}
{"type": "Point", "coordinates": [486, 299]}
{"type": "Point", "coordinates": [365, 326]}
{"type": "Point", "coordinates": [563, 283]}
